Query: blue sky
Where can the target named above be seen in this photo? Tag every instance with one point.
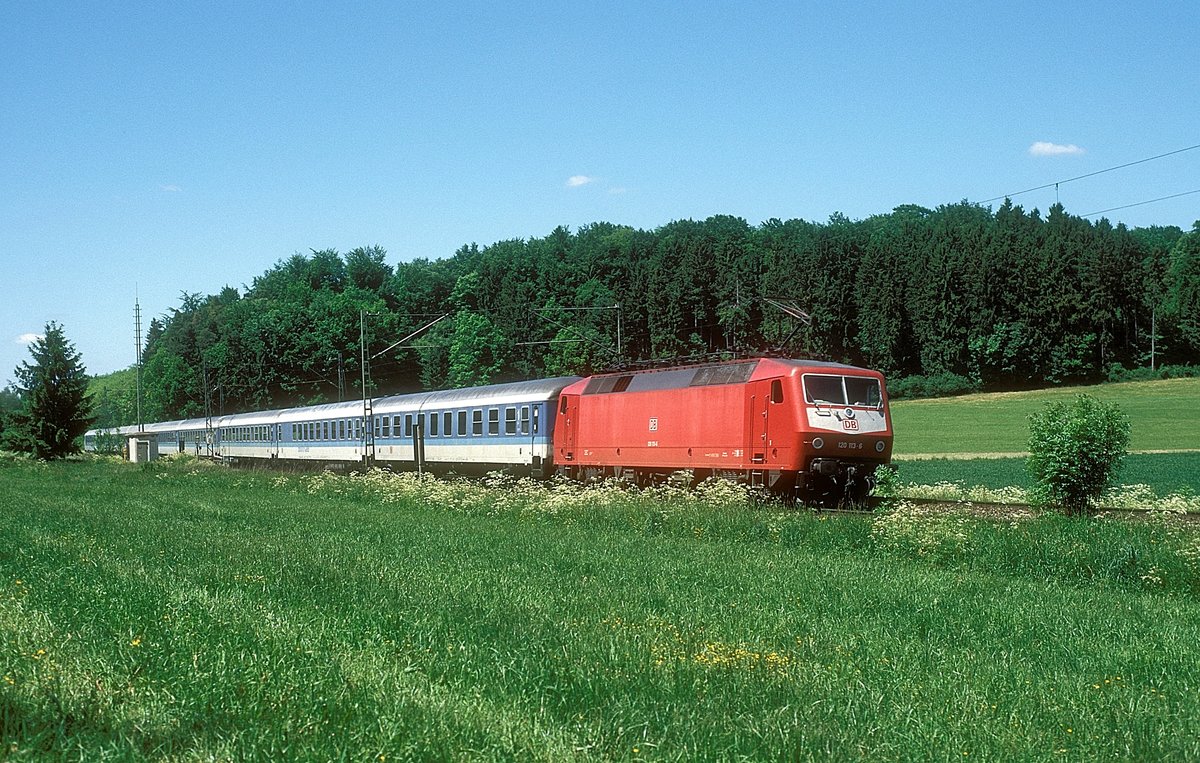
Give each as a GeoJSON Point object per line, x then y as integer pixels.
{"type": "Point", "coordinates": [186, 146]}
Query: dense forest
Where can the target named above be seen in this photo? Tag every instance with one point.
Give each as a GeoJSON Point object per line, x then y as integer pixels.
{"type": "Point", "coordinates": [988, 298]}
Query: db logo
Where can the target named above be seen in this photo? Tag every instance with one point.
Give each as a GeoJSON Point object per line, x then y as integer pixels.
{"type": "Point", "coordinates": [850, 425]}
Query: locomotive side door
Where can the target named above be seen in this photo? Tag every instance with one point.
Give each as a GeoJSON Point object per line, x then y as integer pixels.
{"type": "Point", "coordinates": [564, 428]}
{"type": "Point", "coordinates": [760, 406]}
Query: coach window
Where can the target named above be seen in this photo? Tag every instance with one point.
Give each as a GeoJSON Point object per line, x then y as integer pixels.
{"type": "Point", "coordinates": [524, 419]}
{"type": "Point", "coordinates": [477, 422]}
{"type": "Point", "coordinates": [325, 429]}
{"type": "Point", "coordinates": [462, 423]}
{"type": "Point", "coordinates": [433, 425]}
{"type": "Point", "coordinates": [776, 391]}
{"type": "Point", "coordinates": [536, 416]}
{"type": "Point", "coordinates": [493, 422]}
{"type": "Point", "coordinates": [387, 427]}
{"type": "Point", "coordinates": [510, 421]}
{"type": "Point", "coordinates": [377, 428]}
{"type": "Point", "coordinates": [408, 424]}
{"type": "Point", "coordinates": [447, 424]}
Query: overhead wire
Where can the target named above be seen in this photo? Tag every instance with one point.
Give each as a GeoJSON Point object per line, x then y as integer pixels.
{"type": "Point", "coordinates": [1140, 203]}
{"type": "Point", "coordinates": [1093, 174]}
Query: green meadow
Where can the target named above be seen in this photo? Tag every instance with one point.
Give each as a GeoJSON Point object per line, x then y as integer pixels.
{"type": "Point", "coordinates": [1165, 416]}
{"type": "Point", "coordinates": [979, 440]}
{"type": "Point", "coordinates": [189, 612]}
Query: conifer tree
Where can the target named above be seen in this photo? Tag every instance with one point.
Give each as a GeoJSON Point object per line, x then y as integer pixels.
{"type": "Point", "coordinates": [56, 409]}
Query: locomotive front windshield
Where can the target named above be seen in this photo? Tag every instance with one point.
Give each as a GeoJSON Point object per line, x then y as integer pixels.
{"type": "Point", "coordinates": [842, 390]}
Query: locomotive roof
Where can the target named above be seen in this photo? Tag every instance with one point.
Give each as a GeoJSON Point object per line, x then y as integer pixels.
{"type": "Point", "coordinates": [705, 374]}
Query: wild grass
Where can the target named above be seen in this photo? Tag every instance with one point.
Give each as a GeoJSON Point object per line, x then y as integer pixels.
{"type": "Point", "coordinates": [189, 613]}
{"type": "Point", "coordinates": [1164, 416]}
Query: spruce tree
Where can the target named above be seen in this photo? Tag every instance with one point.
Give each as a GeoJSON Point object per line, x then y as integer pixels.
{"type": "Point", "coordinates": [56, 410]}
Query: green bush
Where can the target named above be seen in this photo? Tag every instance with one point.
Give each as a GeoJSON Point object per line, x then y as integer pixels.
{"type": "Point", "coordinates": [1118, 373]}
{"type": "Point", "coordinates": [1075, 452]}
{"type": "Point", "coordinates": [934, 385]}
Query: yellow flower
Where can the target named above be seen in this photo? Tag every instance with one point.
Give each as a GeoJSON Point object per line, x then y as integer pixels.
{"type": "Point", "coordinates": [137, 641]}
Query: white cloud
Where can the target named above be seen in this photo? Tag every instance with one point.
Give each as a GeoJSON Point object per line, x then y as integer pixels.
{"type": "Point", "coordinates": [172, 188]}
{"type": "Point", "coordinates": [29, 338]}
{"type": "Point", "coordinates": [576, 181]}
{"type": "Point", "coordinates": [1045, 148]}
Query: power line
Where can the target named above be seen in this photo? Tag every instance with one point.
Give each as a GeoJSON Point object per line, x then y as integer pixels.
{"type": "Point", "coordinates": [1091, 174]}
{"type": "Point", "coordinates": [1140, 203]}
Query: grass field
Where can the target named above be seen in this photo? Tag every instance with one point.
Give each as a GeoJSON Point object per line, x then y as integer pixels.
{"type": "Point", "coordinates": [1165, 415]}
{"type": "Point", "coordinates": [187, 613]}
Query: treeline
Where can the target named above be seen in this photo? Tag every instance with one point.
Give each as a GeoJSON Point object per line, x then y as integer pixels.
{"type": "Point", "coordinates": [996, 298]}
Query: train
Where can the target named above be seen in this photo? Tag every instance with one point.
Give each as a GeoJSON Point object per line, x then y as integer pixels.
{"type": "Point", "coordinates": [808, 430]}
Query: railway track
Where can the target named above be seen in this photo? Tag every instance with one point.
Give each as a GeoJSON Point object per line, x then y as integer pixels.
{"type": "Point", "coordinates": [999, 511]}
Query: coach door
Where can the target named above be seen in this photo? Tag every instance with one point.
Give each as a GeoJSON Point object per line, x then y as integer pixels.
{"type": "Point", "coordinates": [418, 438]}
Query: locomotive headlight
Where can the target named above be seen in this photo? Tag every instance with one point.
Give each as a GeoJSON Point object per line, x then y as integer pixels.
{"type": "Point", "coordinates": [879, 446]}
{"type": "Point", "coordinates": [818, 443]}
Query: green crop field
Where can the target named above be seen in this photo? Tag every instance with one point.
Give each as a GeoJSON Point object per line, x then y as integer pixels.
{"type": "Point", "coordinates": [186, 613]}
{"type": "Point", "coordinates": [1165, 416]}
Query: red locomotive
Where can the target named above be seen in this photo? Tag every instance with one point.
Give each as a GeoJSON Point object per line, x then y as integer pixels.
{"type": "Point", "coordinates": [813, 430]}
